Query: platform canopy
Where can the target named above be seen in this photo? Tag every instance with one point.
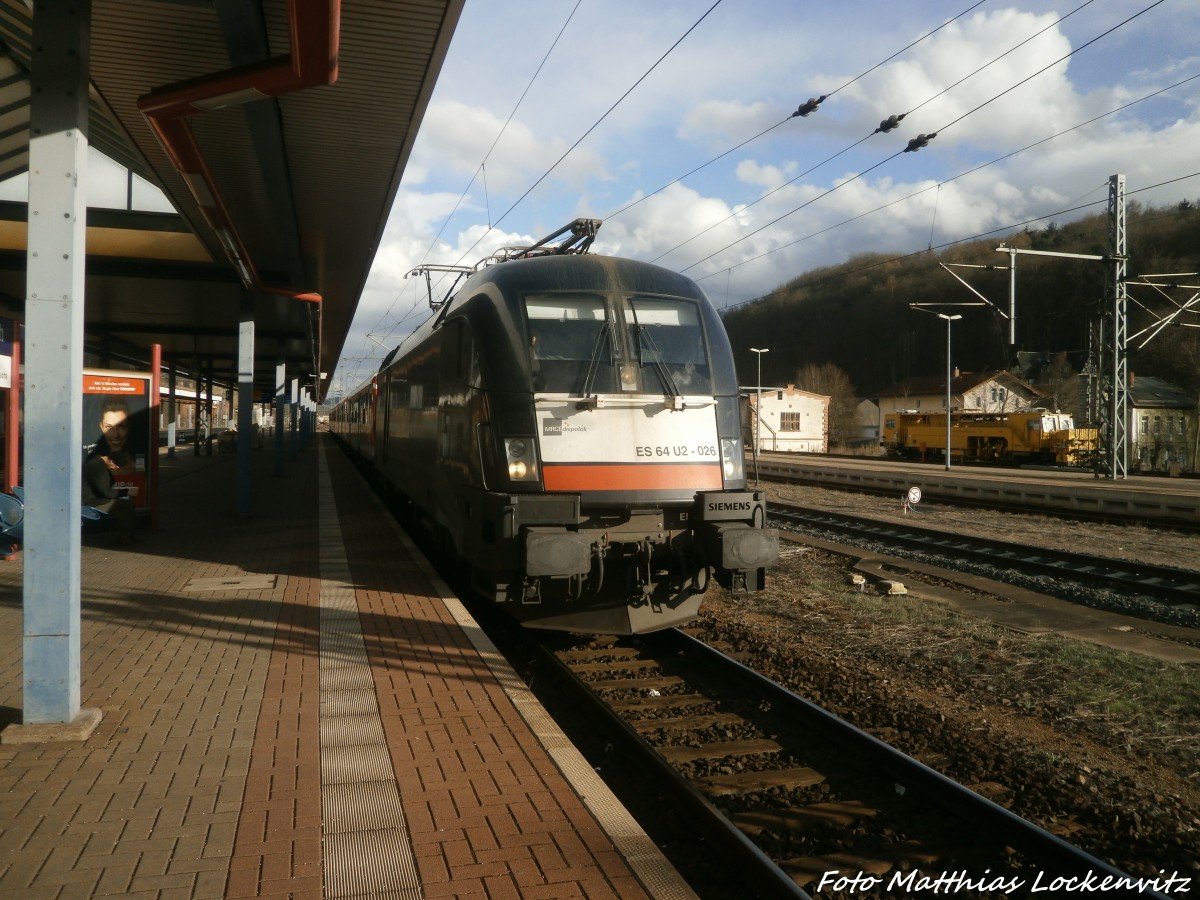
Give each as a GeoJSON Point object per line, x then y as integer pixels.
{"type": "Point", "coordinates": [279, 131]}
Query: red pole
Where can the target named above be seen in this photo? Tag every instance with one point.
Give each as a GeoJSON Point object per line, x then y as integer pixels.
{"type": "Point", "coordinates": [12, 441]}
{"type": "Point", "coordinates": [155, 420]}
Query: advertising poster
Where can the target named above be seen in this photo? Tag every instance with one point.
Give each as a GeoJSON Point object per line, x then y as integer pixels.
{"type": "Point", "coordinates": [117, 436]}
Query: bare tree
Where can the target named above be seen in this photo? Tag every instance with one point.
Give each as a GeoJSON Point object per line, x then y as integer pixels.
{"type": "Point", "coordinates": [829, 381]}
{"type": "Point", "coordinates": [1054, 381]}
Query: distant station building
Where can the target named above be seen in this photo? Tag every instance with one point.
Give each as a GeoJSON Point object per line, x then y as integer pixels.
{"type": "Point", "coordinates": [792, 420]}
{"type": "Point", "coordinates": [1162, 426]}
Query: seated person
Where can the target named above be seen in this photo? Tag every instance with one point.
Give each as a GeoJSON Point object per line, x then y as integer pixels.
{"type": "Point", "coordinates": [105, 466]}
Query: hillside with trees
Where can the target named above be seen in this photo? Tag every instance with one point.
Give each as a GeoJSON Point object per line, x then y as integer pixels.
{"type": "Point", "coordinates": [856, 316]}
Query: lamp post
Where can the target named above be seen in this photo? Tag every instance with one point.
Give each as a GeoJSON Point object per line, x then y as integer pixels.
{"type": "Point", "coordinates": [757, 409]}
{"type": "Point", "coordinates": [949, 320]}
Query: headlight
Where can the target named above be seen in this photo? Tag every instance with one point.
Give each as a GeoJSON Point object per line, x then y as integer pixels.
{"type": "Point", "coordinates": [521, 463]}
{"type": "Point", "coordinates": [733, 460]}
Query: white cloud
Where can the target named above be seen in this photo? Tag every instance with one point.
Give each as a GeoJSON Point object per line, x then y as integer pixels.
{"type": "Point", "coordinates": [726, 122]}
{"type": "Point", "coordinates": [745, 69]}
{"type": "Point", "coordinates": [919, 83]}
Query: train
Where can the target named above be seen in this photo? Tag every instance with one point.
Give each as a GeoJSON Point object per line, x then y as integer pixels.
{"type": "Point", "coordinates": [565, 428]}
{"type": "Point", "coordinates": [1006, 438]}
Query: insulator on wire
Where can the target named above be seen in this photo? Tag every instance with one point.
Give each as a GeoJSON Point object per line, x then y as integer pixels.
{"type": "Point", "coordinates": [809, 106]}
{"type": "Point", "coordinates": [889, 123]}
{"type": "Point", "coordinates": [921, 140]}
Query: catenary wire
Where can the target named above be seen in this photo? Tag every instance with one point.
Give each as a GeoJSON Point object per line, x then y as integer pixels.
{"type": "Point", "coordinates": [580, 140]}
{"type": "Point", "coordinates": [715, 159]}
{"type": "Point", "coordinates": [741, 209]}
{"type": "Point", "coordinates": [870, 169]}
{"type": "Point", "coordinates": [595, 124]}
{"type": "Point", "coordinates": [1004, 229]}
{"type": "Point", "coordinates": [533, 78]}
{"type": "Point", "coordinates": [400, 321]}
{"type": "Point", "coordinates": [970, 171]}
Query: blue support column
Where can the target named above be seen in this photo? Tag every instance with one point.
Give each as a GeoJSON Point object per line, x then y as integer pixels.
{"type": "Point", "coordinates": [244, 502]}
{"type": "Point", "coordinates": [54, 375]}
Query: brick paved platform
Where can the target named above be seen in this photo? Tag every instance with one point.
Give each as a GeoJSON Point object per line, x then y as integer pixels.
{"type": "Point", "coordinates": [293, 707]}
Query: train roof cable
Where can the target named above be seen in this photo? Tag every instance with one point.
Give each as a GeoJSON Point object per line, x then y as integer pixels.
{"type": "Point", "coordinates": [866, 171]}
{"type": "Point", "coordinates": [546, 174]}
{"type": "Point", "coordinates": [487, 155]}
{"type": "Point", "coordinates": [519, 200]}
{"type": "Point", "coordinates": [884, 62]}
{"type": "Point", "coordinates": [994, 231]}
{"type": "Point", "coordinates": [945, 181]}
{"type": "Point", "coordinates": [888, 124]}
{"type": "Point", "coordinates": [1083, 46]}
{"type": "Point", "coordinates": [503, 128]}
{"type": "Point", "coordinates": [1011, 49]}
{"type": "Point", "coordinates": [594, 126]}
{"type": "Point", "coordinates": [802, 111]}
{"type": "Point", "coordinates": [799, 112]}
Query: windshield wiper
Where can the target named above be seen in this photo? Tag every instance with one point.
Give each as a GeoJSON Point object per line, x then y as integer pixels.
{"type": "Point", "coordinates": [660, 366]}
{"type": "Point", "coordinates": [591, 372]}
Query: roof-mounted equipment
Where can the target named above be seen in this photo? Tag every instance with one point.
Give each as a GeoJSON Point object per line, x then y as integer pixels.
{"type": "Point", "coordinates": [580, 235]}
{"type": "Point", "coordinates": [459, 271]}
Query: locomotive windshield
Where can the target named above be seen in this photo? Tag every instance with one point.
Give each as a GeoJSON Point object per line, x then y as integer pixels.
{"type": "Point", "coordinates": [581, 344]}
{"type": "Point", "coordinates": [668, 338]}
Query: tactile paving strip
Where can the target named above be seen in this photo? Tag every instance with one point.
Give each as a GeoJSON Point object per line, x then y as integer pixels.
{"type": "Point", "coordinates": [367, 847]}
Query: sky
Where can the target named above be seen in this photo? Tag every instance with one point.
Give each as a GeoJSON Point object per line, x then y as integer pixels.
{"type": "Point", "coordinates": [631, 112]}
{"type": "Point", "coordinates": [672, 122]}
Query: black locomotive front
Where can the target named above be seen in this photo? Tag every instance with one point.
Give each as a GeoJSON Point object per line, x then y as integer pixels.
{"type": "Point", "coordinates": [568, 427]}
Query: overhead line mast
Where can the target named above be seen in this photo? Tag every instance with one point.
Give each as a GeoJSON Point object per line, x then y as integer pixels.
{"type": "Point", "coordinates": [1107, 363]}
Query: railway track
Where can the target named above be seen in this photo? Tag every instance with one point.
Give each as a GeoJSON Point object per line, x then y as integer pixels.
{"type": "Point", "coordinates": [1156, 592]}
{"type": "Point", "coordinates": [799, 799]}
{"type": "Point", "coordinates": [1070, 494]}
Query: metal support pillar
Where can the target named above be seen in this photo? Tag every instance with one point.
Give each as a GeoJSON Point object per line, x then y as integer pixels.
{"type": "Point", "coordinates": [1111, 339]}
{"type": "Point", "coordinates": [54, 374]}
{"type": "Point", "coordinates": [208, 408]}
{"type": "Point", "coordinates": [172, 412]}
{"type": "Point", "coordinates": [293, 416]}
{"type": "Point", "coordinates": [152, 464]}
{"type": "Point", "coordinates": [306, 428]}
{"type": "Point", "coordinates": [1012, 303]}
{"type": "Point", "coordinates": [302, 420]}
{"type": "Point", "coordinates": [280, 414]}
{"type": "Point", "coordinates": [197, 385]}
{"type": "Point", "coordinates": [1118, 369]}
{"type": "Point", "coordinates": [244, 501]}
{"type": "Point", "coordinates": [1091, 373]}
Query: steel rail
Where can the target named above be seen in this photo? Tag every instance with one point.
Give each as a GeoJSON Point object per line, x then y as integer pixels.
{"type": "Point", "coordinates": [1042, 847]}
{"type": "Point", "coordinates": [759, 869]}
{"type": "Point", "coordinates": [1164, 583]}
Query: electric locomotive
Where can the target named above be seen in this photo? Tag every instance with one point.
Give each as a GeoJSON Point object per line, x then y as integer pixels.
{"type": "Point", "coordinates": [567, 426]}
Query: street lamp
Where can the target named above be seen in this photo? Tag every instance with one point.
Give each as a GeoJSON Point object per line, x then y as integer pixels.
{"type": "Point", "coordinates": [948, 319]}
{"type": "Point", "coordinates": [758, 410]}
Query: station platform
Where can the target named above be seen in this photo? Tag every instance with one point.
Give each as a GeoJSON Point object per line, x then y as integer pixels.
{"type": "Point", "coordinates": [295, 706]}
